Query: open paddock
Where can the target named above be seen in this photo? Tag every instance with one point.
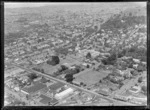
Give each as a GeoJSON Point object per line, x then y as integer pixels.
{"type": "Point", "coordinates": [91, 77]}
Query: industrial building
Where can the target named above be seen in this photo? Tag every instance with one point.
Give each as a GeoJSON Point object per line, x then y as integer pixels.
{"type": "Point", "coordinates": [56, 86]}
{"type": "Point", "coordinates": [64, 93]}
{"type": "Point", "coordinates": [47, 100]}
{"type": "Point", "coordinates": [33, 89]}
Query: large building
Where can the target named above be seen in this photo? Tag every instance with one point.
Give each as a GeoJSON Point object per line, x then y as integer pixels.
{"type": "Point", "coordinates": [56, 87]}
{"type": "Point", "coordinates": [64, 93]}
{"type": "Point", "coordinates": [33, 89]}
{"type": "Point", "coordinates": [45, 100]}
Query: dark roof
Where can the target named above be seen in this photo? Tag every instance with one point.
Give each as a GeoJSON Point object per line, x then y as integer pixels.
{"type": "Point", "coordinates": [56, 86]}
{"type": "Point", "coordinates": [46, 100]}
{"type": "Point", "coordinates": [36, 87]}
{"type": "Point", "coordinates": [43, 80]}
{"type": "Point", "coordinates": [44, 90]}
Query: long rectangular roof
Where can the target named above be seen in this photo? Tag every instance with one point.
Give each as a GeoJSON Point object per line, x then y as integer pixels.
{"type": "Point", "coordinates": [56, 86]}
{"type": "Point", "coordinates": [36, 87]}
{"type": "Point", "coordinates": [45, 99]}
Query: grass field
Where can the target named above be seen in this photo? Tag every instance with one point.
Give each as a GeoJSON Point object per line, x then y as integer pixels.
{"type": "Point", "coordinates": [49, 69]}
{"type": "Point", "coordinates": [91, 77]}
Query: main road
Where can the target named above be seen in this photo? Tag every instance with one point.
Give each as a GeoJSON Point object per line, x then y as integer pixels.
{"type": "Point", "coordinates": [115, 102]}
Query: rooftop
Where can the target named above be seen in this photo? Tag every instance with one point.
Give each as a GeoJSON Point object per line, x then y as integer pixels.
{"type": "Point", "coordinates": [36, 87]}
{"type": "Point", "coordinates": [56, 86]}
{"type": "Point", "coordinates": [46, 100]}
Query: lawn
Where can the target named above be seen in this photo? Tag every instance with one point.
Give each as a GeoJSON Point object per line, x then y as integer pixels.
{"type": "Point", "coordinates": [70, 61]}
{"type": "Point", "coordinates": [49, 69]}
{"type": "Point", "coordinates": [91, 77]}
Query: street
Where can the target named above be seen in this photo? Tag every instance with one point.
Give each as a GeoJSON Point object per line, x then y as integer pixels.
{"type": "Point", "coordinates": [85, 90]}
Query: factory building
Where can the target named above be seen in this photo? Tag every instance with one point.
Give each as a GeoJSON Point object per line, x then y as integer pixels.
{"type": "Point", "coordinates": [64, 93]}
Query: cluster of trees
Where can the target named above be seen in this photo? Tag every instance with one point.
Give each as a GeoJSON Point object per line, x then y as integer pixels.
{"type": "Point", "coordinates": [141, 68]}
{"type": "Point", "coordinates": [69, 78]}
{"type": "Point", "coordinates": [13, 36]}
{"type": "Point", "coordinates": [133, 52]}
{"type": "Point", "coordinates": [111, 60]}
{"type": "Point", "coordinates": [140, 79]}
{"type": "Point", "coordinates": [32, 76]}
{"type": "Point", "coordinates": [134, 72]}
{"type": "Point", "coordinates": [82, 84]}
{"type": "Point", "coordinates": [39, 69]}
{"type": "Point", "coordinates": [88, 55]}
{"type": "Point", "coordinates": [139, 53]}
{"type": "Point", "coordinates": [65, 70]}
{"type": "Point", "coordinates": [53, 61]}
{"type": "Point", "coordinates": [112, 85]}
{"type": "Point", "coordinates": [144, 89]}
{"type": "Point", "coordinates": [111, 78]}
{"type": "Point", "coordinates": [116, 22]}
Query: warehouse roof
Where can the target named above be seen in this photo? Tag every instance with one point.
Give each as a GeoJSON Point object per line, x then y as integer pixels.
{"type": "Point", "coordinates": [36, 87]}
{"type": "Point", "coordinates": [56, 86]}
{"type": "Point", "coordinates": [47, 100]}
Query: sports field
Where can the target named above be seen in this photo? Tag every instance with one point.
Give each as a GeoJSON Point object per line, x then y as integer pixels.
{"type": "Point", "coordinates": [91, 77]}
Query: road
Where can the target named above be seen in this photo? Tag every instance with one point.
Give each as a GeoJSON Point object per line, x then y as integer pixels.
{"type": "Point", "coordinates": [82, 89]}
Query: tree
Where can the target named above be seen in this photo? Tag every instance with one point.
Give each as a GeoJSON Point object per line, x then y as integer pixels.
{"type": "Point", "coordinates": [42, 70]}
{"type": "Point", "coordinates": [140, 68]}
{"type": "Point", "coordinates": [69, 77]}
{"type": "Point", "coordinates": [54, 61]}
{"type": "Point", "coordinates": [63, 67]}
{"type": "Point", "coordinates": [88, 66]}
{"type": "Point", "coordinates": [100, 81]}
{"type": "Point", "coordinates": [32, 76]}
{"type": "Point", "coordinates": [78, 69]}
{"type": "Point", "coordinates": [130, 65]}
{"type": "Point", "coordinates": [121, 84]}
{"type": "Point", "coordinates": [140, 79]}
{"type": "Point", "coordinates": [134, 72]}
{"type": "Point", "coordinates": [144, 89]}
{"type": "Point", "coordinates": [81, 83]}
{"type": "Point", "coordinates": [88, 56]}
{"type": "Point", "coordinates": [95, 28]}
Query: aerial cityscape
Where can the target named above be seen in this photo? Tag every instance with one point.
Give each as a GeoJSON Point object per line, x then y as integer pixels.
{"type": "Point", "coordinates": [75, 54]}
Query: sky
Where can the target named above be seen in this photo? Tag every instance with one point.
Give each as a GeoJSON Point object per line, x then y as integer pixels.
{"type": "Point", "coordinates": [37, 4]}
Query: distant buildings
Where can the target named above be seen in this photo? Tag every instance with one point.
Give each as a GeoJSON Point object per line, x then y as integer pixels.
{"type": "Point", "coordinates": [135, 89]}
{"type": "Point", "coordinates": [13, 71]}
{"type": "Point", "coordinates": [93, 52]}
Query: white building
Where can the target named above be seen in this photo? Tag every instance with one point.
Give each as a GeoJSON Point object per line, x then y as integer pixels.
{"type": "Point", "coordinates": [64, 93]}
{"type": "Point", "coordinates": [136, 60]}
